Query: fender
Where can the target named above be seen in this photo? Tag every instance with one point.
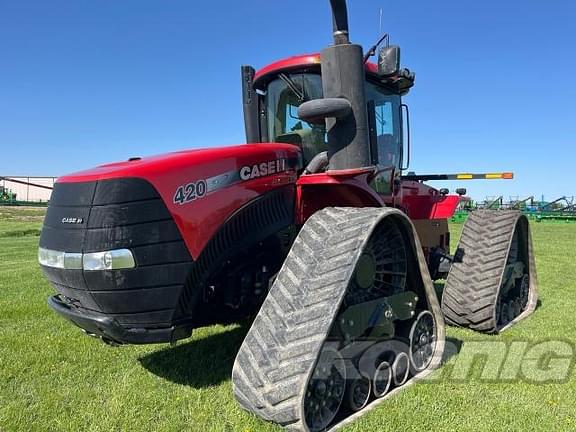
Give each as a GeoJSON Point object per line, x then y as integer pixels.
{"type": "Point", "coordinates": [421, 201]}
{"type": "Point", "coordinates": [343, 188]}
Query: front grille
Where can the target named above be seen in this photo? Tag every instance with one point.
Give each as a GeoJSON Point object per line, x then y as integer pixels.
{"type": "Point", "coordinates": [115, 214]}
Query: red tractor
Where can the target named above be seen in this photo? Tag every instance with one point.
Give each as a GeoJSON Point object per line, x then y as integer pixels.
{"type": "Point", "coordinates": [311, 227]}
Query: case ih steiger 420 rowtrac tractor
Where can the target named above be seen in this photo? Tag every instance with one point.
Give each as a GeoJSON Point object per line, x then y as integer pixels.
{"type": "Point", "coordinates": [311, 227]}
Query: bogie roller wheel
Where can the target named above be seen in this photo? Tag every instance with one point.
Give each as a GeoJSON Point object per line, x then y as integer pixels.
{"type": "Point", "coordinates": [382, 379]}
{"type": "Point", "coordinates": [511, 314]}
{"type": "Point", "coordinates": [358, 393]}
{"type": "Point", "coordinates": [497, 269]}
{"type": "Point", "coordinates": [516, 307]}
{"type": "Point", "coordinates": [400, 369]}
{"type": "Point", "coordinates": [524, 292]}
{"type": "Point", "coordinates": [352, 275]}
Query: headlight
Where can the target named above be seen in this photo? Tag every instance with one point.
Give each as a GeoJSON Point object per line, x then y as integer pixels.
{"type": "Point", "coordinates": [50, 258]}
{"type": "Point", "coordinates": [108, 260]}
{"type": "Point", "coordinates": [73, 261]}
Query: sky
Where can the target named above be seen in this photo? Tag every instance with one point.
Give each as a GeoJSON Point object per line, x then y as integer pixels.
{"type": "Point", "coordinates": [84, 82]}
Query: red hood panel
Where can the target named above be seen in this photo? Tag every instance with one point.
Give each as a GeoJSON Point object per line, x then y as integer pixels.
{"type": "Point", "coordinates": [202, 188]}
{"type": "Point", "coordinates": [205, 160]}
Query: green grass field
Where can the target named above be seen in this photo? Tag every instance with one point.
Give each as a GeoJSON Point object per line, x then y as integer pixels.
{"type": "Point", "coordinates": [54, 378]}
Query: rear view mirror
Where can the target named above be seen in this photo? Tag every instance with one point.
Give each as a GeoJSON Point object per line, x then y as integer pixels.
{"type": "Point", "coordinates": [389, 61]}
{"type": "Point", "coordinates": [317, 111]}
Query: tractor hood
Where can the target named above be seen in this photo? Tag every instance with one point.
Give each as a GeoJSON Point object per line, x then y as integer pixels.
{"type": "Point", "coordinates": [200, 188]}
{"type": "Point", "coordinates": [207, 161]}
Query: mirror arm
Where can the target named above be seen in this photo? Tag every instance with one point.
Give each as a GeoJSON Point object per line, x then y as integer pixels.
{"type": "Point", "coordinates": [373, 48]}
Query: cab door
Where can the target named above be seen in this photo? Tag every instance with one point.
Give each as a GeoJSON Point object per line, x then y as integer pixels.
{"type": "Point", "coordinates": [386, 130]}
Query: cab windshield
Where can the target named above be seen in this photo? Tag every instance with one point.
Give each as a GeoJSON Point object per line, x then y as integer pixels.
{"type": "Point", "coordinates": [285, 94]}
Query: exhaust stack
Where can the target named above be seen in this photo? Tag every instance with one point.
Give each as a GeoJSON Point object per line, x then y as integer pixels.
{"type": "Point", "coordinates": [343, 76]}
{"type": "Point", "coordinates": [340, 20]}
{"type": "Point", "coordinates": [343, 107]}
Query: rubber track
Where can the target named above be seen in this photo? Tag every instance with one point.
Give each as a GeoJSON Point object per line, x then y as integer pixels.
{"type": "Point", "coordinates": [472, 287]}
{"type": "Point", "coordinates": [279, 353]}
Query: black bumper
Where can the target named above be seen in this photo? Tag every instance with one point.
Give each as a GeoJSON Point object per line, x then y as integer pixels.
{"type": "Point", "coordinates": [110, 330]}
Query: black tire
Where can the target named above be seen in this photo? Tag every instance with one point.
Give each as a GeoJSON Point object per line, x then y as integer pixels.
{"type": "Point", "coordinates": [472, 289]}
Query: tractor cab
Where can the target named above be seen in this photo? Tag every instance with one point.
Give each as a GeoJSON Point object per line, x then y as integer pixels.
{"type": "Point", "coordinates": [273, 95]}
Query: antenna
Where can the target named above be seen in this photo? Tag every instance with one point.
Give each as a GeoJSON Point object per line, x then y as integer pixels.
{"type": "Point", "coordinates": [381, 13]}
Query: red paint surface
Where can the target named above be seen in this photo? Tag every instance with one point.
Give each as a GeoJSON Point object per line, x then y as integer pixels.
{"type": "Point", "coordinates": [421, 201]}
{"type": "Point", "coordinates": [199, 220]}
{"type": "Point", "coordinates": [298, 62]}
{"type": "Point", "coordinates": [348, 188]}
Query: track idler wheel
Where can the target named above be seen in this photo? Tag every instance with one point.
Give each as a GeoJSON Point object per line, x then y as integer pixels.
{"type": "Point", "coordinates": [325, 391]}
{"type": "Point", "coordinates": [422, 341]}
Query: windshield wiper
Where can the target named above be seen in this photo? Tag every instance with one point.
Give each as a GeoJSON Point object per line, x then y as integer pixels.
{"type": "Point", "coordinates": [292, 86]}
